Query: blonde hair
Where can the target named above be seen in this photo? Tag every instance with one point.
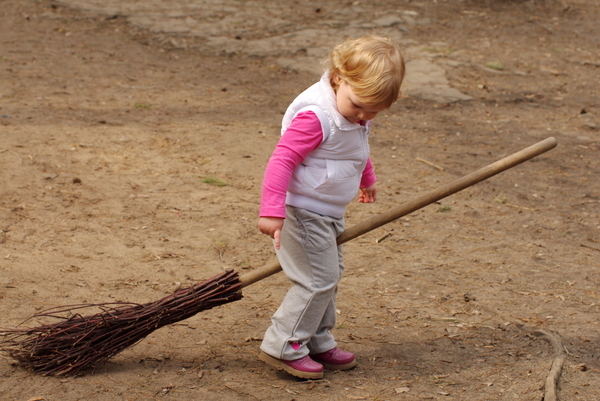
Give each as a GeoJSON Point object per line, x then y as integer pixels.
{"type": "Point", "coordinates": [372, 66]}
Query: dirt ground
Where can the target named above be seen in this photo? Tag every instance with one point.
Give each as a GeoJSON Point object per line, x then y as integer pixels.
{"type": "Point", "coordinates": [130, 167]}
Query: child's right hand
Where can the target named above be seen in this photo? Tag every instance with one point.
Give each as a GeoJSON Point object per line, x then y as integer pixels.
{"type": "Point", "coordinates": [271, 226]}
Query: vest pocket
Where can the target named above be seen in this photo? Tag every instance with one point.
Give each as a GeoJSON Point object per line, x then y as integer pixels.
{"type": "Point", "coordinates": [335, 181]}
{"type": "Point", "coordinates": [314, 177]}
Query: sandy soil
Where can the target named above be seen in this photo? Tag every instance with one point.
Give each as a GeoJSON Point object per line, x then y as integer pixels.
{"type": "Point", "coordinates": [113, 141]}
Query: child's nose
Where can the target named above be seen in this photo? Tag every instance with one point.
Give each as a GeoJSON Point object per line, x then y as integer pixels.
{"type": "Point", "coordinates": [366, 115]}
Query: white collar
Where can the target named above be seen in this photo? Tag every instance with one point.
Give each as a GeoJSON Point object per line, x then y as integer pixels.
{"type": "Point", "coordinates": [331, 103]}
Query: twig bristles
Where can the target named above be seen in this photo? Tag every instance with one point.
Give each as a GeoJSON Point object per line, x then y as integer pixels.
{"type": "Point", "coordinates": [79, 342]}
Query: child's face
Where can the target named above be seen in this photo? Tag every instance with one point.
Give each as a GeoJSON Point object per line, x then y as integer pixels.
{"type": "Point", "coordinates": [351, 107]}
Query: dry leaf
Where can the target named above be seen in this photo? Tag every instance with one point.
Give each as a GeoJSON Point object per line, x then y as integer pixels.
{"type": "Point", "coordinates": [400, 390]}
{"type": "Point", "coordinates": [495, 65]}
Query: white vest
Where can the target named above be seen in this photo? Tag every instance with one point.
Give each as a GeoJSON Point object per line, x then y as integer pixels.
{"type": "Point", "coordinates": [327, 180]}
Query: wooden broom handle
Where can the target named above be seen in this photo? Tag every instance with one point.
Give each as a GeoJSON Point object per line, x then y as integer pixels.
{"type": "Point", "coordinates": [417, 203]}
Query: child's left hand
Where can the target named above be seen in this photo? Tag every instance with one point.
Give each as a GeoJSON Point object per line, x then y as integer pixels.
{"type": "Point", "coordinates": [368, 194]}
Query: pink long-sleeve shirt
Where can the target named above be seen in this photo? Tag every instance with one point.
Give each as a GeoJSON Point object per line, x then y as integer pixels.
{"type": "Point", "coordinates": [302, 137]}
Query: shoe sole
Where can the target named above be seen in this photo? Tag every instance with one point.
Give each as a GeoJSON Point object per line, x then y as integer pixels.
{"type": "Point", "coordinates": [328, 366]}
{"type": "Point", "coordinates": [279, 365]}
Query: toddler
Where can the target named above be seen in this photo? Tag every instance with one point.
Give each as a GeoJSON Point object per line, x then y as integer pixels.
{"type": "Point", "coordinates": [317, 168]}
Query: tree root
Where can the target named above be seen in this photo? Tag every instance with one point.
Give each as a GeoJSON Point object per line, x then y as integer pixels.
{"type": "Point", "coordinates": [555, 341]}
{"type": "Point", "coordinates": [557, 363]}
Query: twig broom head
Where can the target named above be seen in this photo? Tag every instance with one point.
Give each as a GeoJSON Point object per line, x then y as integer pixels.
{"type": "Point", "coordinates": [80, 342]}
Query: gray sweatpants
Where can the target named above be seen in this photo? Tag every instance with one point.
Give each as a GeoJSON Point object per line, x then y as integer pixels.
{"type": "Point", "coordinates": [313, 262]}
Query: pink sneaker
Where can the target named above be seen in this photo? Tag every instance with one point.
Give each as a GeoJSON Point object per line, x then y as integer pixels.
{"type": "Point", "coordinates": [305, 367]}
{"type": "Point", "coordinates": [336, 359]}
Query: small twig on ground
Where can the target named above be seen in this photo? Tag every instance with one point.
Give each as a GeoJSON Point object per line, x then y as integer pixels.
{"type": "Point", "coordinates": [518, 207]}
{"type": "Point", "coordinates": [380, 239]}
{"type": "Point", "coordinates": [589, 247]}
{"type": "Point", "coordinates": [430, 164]}
{"type": "Point", "coordinates": [241, 392]}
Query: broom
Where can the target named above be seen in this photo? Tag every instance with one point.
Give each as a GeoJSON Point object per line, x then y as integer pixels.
{"type": "Point", "coordinates": [80, 342]}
